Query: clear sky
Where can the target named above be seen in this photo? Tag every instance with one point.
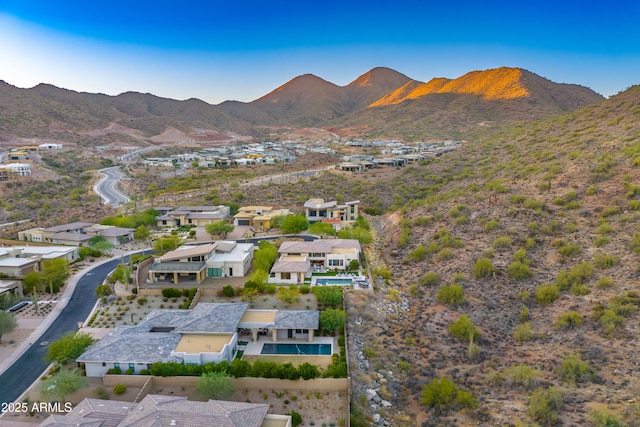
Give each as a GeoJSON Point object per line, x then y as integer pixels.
{"type": "Point", "coordinates": [242, 49]}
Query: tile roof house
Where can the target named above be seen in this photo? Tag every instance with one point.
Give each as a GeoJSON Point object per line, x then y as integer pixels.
{"type": "Point", "coordinates": [156, 410]}
{"type": "Point", "coordinates": [258, 217]}
{"type": "Point", "coordinates": [207, 333]}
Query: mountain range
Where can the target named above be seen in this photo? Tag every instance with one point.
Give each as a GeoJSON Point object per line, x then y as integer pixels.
{"type": "Point", "coordinates": [383, 100]}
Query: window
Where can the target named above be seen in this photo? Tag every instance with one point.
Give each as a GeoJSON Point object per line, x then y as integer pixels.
{"type": "Point", "coordinates": [104, 364]}
{"type": "Point", "coordinates": [116, 365]}
{"type": "Point", "coordinates": [214, 272]}
{"type": "Point", "coordinates": [285, 276]}
{"type": "Point", "coordinates": [132, 366]}
{"type": "Point", "coordinates": [336, 263]}
{"type": "Point", "coordinates": [300, 331]}
{"type": "Point", "coordinates": [353, 208]}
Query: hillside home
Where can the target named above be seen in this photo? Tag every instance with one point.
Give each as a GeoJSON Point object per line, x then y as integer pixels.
{"type": "Point", "coordinates": [259, 218]}
{"type": "Point", "coordinates": [207, 333]}
{"type": "Point", "coordinates": [168, 411]}
{"type": "Point", "coordinates": [18, 261]}
{"type": "Point", "coordinates": [16, 169]}
{"type": "Point", "coordinates": [193, 215]}
{"type": "Point", "coordinates": [338, 215]}
{"type": "Point", "coordinates": [330, 254]}
{"type": "Point", "coordinates": [77, 234]}
{"type": "Point", "coordinates": [196, 262]}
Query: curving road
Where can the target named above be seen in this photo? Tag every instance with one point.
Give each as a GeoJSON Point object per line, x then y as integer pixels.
{"type": "Point", "coordinates": [28, 368]}
{"type": "Point", "coordinates": [106, 187]}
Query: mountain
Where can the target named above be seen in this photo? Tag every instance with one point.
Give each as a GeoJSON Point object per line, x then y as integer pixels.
{"type": "Point", "coordinates": [381, 100]}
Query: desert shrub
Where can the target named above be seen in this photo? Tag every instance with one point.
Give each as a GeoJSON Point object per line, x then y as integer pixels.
{"type": "Point", "coordinates": [519, 271]}
{"type": "Point", "coordinates": [418, 254]}
{"type": "Point", "coordinates": [544, 405]}
{"type": "Point", "coordinates": [430, 278]}
{"type": "Point", "coordinates": [482, 268]}
{"type": "Point", "coordinates": [490, 225]}
{"type": "Point", "coordinates": [445, 254]}
{"type": "Point", "coordinates": [523, 332]}
{"type": "Point", "coordinates": [605, 282]}
{"type": "Point", "coordinates": [271, 289]}
{"type": "Point", "coordinates": [451, 294]}
{"type": "Point", "coordinates": [228, 291]}
{"type": "Point", "coordinates": [580, 290]}
{"type": "Point", "coordinates": [546, 294]}
{"type": "Point", "coordinates": [171, 292]}
{"type": "Point", "coordinates": [114, 371]}
{"type": "Point", "coordinates": [569, 250]}
{"type": "Point", "coordinates": [382, 272]}
{"type": "Point", "coordinates": [464, 329]}
{"type": "Point", "coordinates": [604, 260]}
{"type": "Point", "coordinates": [442, 395]}
{"type": "Point", "coordinates": [296, 419]}
{"type": "Point", "coordinates": [521, 376]}
{"type": "Point", "coordinates": [119, 388]}
{"type": "Point", "coordinates": [533, 204]}
{"type": "Point", "coordinates": [142, 301]}
{"type": "Point", "coordinates": [573, 370]}
{"type": "Point", "coordinates": [304, 289]}
{"type": "Point", "coordinates": [603, 419]}
{"type": "Point", "coordinates": [576, 275]}
{"type": "Point", "coordinates": [523, 316]}
{"type": "Point", "coordinates": [503, 242]}
{"type": "Point", "coordinates": [446, 239]}
{"type": "Point", "coordinates": [569, 320]}
{"type": "Point", "coordinates": [600, 242]}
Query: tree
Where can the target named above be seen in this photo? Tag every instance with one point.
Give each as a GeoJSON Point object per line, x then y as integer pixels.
{"type": "Point", "coordinates": [99, 243]}
{"type": "Point", "coordinates": [215, 385]}
{"type": "Point", "coordinates": [294, 224]}
{"type": "Point", "coordinates": [288, 294]}
{"type": "Point", "coordinates": [103, 291]}
{"type": "Point", "coordinates": [168, 243]}
{"type": "Point", "coordinates": [33, 282]}
{"type": "Point", "coordinates": [332, 319]}
{"type": "Point", "coordinates": [360, 234]}
{"type": "Point", "coordinates": [329, 296]}
{"type": "Point", "coordinates": [7, 323]}
{"type": "Point", "coordinates": [69, 347]}
{"type": "Point", "coordinates": [265, 256]}
{"type": "Point", "coordinates": [219, 228]}
{"type": "Point", "coordinates": [321, 229]}
{"type": "Point", "coordinates": [62, 384]}
{"type": "Point", "coordinates": [141, 233]}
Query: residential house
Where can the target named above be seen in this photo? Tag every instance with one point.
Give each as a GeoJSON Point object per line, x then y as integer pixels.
{"type": "Point", "coordinates": [330, 254]}
{"type": "Point", "coordinates": [259, 218]}
{"type": "Point", "coordinates": [77, 234]}
{"type": "Point", "coordinates": [18, 261]}
{"type": "Point", "coordinates": [193, 215]}
{"type": "Point", "coordinates": [168, 411]}
{"type": "Point", "coordinates": [196, 262]}
{"type": "Point", "coordinates": [11, 287]}
{"type": "Point", "coordinates": [340, 216]}
{"type": "Point", "coordinates": [16, 169]}
{"type": "Point", "coordinates": [207, 333]}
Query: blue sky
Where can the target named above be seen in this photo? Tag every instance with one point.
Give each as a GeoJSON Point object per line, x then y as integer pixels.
{"type": "Point", "coordinates": [219, 50]}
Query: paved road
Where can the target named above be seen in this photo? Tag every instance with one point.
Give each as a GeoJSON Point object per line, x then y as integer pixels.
{"type": "Point", "coordinates": [28, 368]}
{"type": "Point", "coordinates": [106, 187]}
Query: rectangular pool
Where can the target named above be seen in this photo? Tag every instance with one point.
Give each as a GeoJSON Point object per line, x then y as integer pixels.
{"type": "Point", "coordinates": [296, 349]}
{"type": "Point", "coordinates": [331, 282]}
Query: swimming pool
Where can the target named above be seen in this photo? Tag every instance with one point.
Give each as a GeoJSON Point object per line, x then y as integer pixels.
{"type": "Point", "coordinates": [299, 349]}
{"type": "Point", "coordinates": [329, 282]}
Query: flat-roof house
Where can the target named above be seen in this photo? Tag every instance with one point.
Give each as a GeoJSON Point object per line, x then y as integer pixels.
{"type": "Point", "coordinates": [196, 262]}
{"type": "Point", "coordinates": [338, 215]}
{"type": "Point", "coordinates": [157, 410]}
{"type": "Point", "coordinates": [332, 254]}
{"type": "Point", "coordinates": [258, 217]}
{"type": "Point", "coordinates": [77, 234]}
{"type": "Point", "coordinates": [207, 333]}
{"type": "Point", "coordinates": [18, 261]}
{"type": "Point", "coordinates": [193, 215]}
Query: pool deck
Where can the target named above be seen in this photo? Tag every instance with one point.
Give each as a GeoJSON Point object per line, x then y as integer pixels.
{"type": "Point", "coordinates": [255, 348]}
{"type": "Point", "coordinates": [356, 282]}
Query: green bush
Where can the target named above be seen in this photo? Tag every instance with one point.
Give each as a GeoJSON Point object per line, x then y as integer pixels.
{"type": "Point", "coordinates": [605, 282]}
{"type": "Point", "coordinates": [482, 268]}
{"type": "Point", "coordinates": [522, 376]}
{"type": "Point", "coordinates": [523, 332]}
{"type": "Point", "coordinates": [228, 291]}
{"type": "Point", "coordinates": [604, 260]}
{"type": "Point", "coordinates": [114, 371]}
{"type": "Point", "coordinates": [119, 389]}
{"type": "Point", "coordinates": [545, 404]}
{"type": "Point", "coordinates": [502, 242]}
{"type": "Point", "coordinates": [490, 225]}
{"type": "Point", "coordinates": [519, 271]}
{"type": "Point", "coordinates": [523, 316]}
{"type": "Point", "coordinates": [418, 254]}
{"type": "Point", "coordinates": [271, 289]}
{"type": "Point", "coordinates": [570, 250]}
{"type": "Point", "coordinates": [464, 329]}
{"type": "Point", "coordinates": [451, 294]}
{"type": "Point", "coordinates": [569, 320]}
{"type": "Point", "coordinates": [430, 278]}
{"type": "Point", "coordinates": [573, 370]}
{"type": "Point", "coordinates": [296, 419]}
{"type": "Point", "coordinates": [171, 293]}
{"type": "Point", "coordinates": [304, 289]}
{"type": "Point", "coordinates": [603, 419]}
{"type": "Point", "coordinates": [442, 395]}
{"type": "Point", "coordinates": [546, 294]}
